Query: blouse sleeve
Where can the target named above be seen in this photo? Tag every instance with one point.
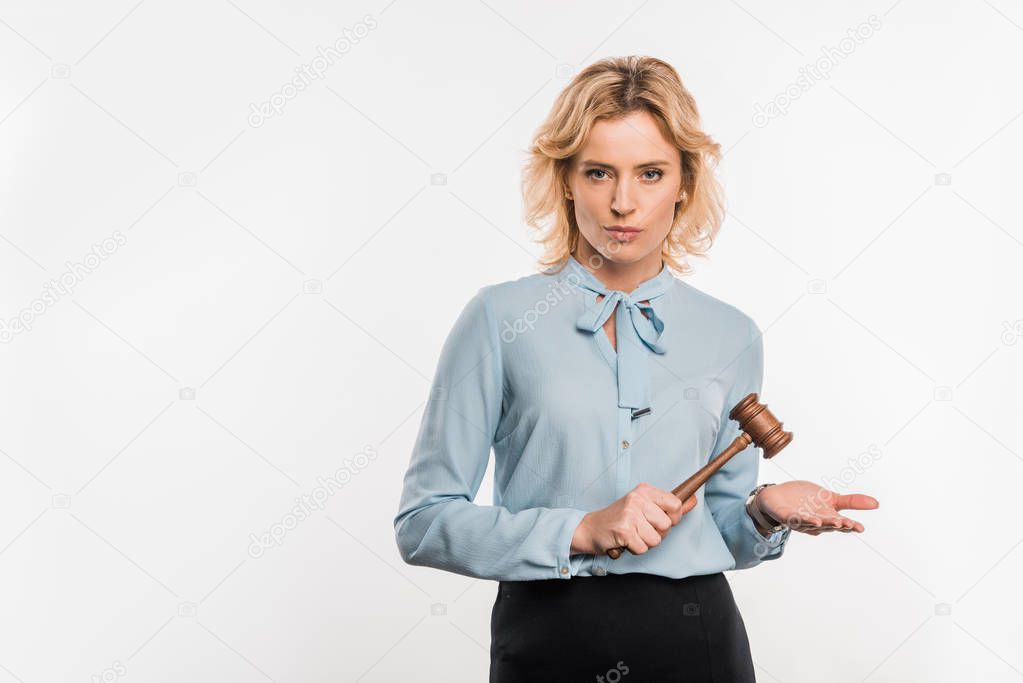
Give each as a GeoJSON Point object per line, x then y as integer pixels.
{"type": "Point", "coordinates": [437, 524]}
{"type": "Point", "coordinates": [726, 491]}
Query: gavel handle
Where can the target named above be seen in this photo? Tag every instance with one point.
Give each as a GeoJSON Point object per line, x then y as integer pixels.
{"type": "Point", "coordinates": [687, 488]}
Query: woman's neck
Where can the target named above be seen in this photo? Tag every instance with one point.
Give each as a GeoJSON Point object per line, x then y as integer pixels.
{"type": "Point", "coordinates": [624, 277]}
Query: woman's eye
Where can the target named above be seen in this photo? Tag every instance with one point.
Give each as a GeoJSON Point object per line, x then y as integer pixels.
{"type": "Point", "coordinates": [658, 173]}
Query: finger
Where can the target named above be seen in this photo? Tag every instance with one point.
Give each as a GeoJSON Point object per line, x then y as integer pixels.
{"type": "Point", "coordinates": [850, 524]}
{"type": "Point", "coordinates": [649, 534]}
{"type": "Point", "coordinates": [657, 517]}
{"type": "Point", "coordinates": [842, 524]}
{"type": "Point", "coordinates": [668, 502]}
{"type": "Point", "coordinates": [689, 504]}
{"type": "Point", "coordinates": [797, 520]}
{"type": "Point", "coordinates": [684, 507]}
{"type": "Point", "coordinates": [636, 545]}
{"type": "Point", "coordinates": [854, 501]}
{"type": "Point", "coordinates": [676, 515]}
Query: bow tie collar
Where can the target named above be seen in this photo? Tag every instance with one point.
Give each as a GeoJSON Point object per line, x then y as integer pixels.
{"type": "Point", "coordinates": [636, 334]}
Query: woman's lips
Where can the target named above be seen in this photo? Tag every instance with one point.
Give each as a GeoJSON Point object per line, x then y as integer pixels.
{"type": "Point", "coordinates": [624, 234]}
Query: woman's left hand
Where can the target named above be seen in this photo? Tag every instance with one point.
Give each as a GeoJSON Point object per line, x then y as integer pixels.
{"type": "Point", "coordinates": [803, 506]}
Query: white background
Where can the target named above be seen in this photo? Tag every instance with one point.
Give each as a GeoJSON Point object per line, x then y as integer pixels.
{"type": "Point", "coordinates": [283, 289]}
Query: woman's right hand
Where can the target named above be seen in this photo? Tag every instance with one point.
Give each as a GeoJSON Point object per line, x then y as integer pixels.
{"type": "Point", "coordinates": [639, 520]}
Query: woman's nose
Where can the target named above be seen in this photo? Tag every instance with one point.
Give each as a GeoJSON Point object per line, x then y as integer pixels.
{"type": "Point", "coordinates": [621, 204]}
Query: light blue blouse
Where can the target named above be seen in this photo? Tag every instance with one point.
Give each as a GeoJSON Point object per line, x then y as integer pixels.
{"type": "Point", "coordinates": [528, 371]}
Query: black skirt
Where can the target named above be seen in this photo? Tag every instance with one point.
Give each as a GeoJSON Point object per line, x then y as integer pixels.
{"type": "Point", "coordinates": [619, 627]}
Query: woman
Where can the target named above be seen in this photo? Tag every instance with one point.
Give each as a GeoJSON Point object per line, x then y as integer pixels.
{"type": "Point", "coordinates": [601, 383]}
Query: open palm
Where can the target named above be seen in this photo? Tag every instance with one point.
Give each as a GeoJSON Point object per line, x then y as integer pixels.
{"type": "Point", "coordinates": [803, 506]}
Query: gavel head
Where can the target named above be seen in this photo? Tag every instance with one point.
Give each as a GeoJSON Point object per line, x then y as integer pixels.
{"type": "Point", "coordinates": [764, 428]}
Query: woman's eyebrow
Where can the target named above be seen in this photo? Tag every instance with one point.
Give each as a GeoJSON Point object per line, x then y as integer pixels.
{"type": "Point", "coordinates": [656, 162]}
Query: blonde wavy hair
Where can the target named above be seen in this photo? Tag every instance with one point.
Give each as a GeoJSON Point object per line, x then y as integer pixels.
{"type": "Point", "coordinates": [609, 89]}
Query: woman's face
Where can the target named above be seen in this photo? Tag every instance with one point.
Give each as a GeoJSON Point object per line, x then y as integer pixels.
{"type": "Point", "coordinates": [627, 175]}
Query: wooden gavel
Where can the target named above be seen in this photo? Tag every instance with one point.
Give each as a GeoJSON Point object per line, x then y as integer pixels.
{"type": "Point", "coordinates": [758, 426]}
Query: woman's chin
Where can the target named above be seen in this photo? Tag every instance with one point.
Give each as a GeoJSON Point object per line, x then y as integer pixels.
{"type": "Point", "coordinates": [624, 252]}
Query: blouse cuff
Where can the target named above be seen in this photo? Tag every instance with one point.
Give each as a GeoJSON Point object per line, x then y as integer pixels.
{"type": "Point", "coordinates": [564, 568]}
{"type": "Point", "coordinates": [765, 548]}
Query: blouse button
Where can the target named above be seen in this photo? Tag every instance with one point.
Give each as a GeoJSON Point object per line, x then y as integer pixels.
{"type": "Point", "coordinates": [599, 571]}
{"type": "Point", "coordinates": [625, 444]}
{"type": "Point", "coordinates": [564, 570]}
